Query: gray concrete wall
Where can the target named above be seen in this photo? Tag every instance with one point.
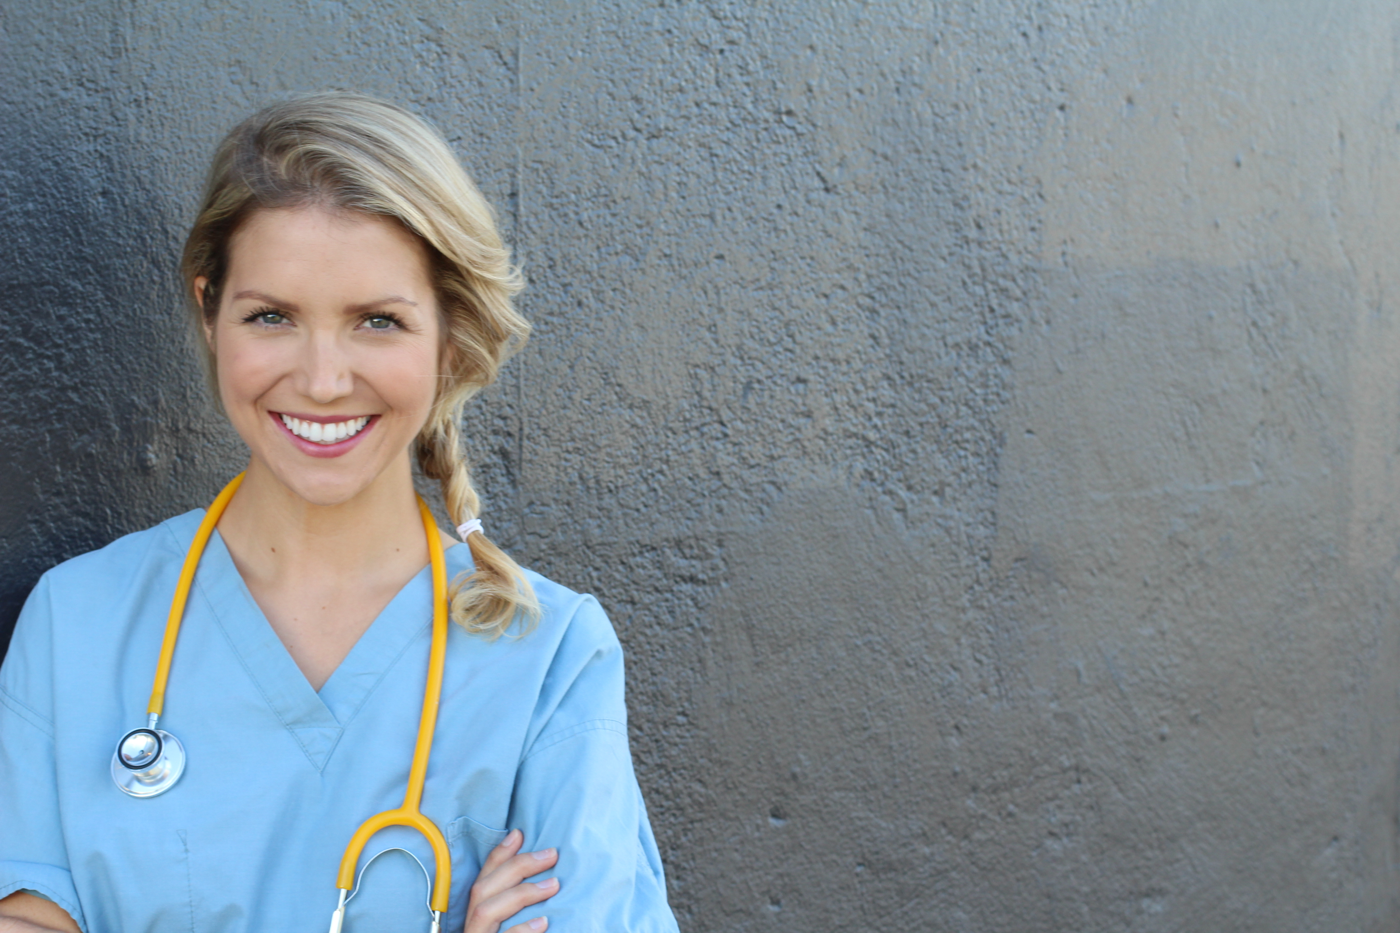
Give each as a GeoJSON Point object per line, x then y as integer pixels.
{"type": "Point", "coordinates": [980, 419]}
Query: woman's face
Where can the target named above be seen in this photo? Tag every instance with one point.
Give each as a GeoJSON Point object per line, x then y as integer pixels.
{"type": "Point", "coordinates": [328, 347]}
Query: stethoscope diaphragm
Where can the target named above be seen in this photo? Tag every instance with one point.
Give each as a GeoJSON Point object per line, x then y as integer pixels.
{"type": "Point", "coordinates": [147, 762]}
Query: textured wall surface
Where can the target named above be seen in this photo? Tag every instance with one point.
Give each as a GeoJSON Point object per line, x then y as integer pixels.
{"type": "Point", "coordinates": [979, 418]}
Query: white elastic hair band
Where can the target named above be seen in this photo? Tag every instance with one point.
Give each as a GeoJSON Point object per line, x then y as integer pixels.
{"type": "Point", "coordinates": [467, 527]}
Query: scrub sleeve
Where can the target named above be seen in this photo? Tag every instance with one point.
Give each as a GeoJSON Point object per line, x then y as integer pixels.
{"type": "Point", "coordinates": [575, 789]}
{"type": "Point", "coordinates": [33, 856]}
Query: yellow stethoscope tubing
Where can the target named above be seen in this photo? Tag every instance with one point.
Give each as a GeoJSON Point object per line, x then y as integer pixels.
{"type": "Point", "coordinates": [182, 595]}
{"type": "Point", "coordinates": [407, 815]}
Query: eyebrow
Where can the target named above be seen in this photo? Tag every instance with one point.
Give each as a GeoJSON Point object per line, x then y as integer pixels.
{"type": "Point", "coordinates": [263, 296]}
{"type": "Point", "coordinates": [354, 309]}
{"type": "Point", "coordinates": [387, 300]}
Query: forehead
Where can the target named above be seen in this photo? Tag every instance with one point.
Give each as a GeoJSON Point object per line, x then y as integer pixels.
{"type": "Point", "coordinates": [331, 253]}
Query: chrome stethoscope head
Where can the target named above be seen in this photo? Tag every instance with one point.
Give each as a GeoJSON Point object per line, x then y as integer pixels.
{"type": "Point", "coordinates": [147, 761]}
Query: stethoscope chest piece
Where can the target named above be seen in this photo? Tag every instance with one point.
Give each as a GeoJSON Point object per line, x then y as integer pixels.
{"type": "Point", "coordinates": [147, 762]}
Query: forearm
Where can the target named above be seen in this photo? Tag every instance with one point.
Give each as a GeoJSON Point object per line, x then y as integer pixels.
{"type": "Point", "coordinates": [16, 925]}
{"type": "Point", "coordinates": [22, 912]}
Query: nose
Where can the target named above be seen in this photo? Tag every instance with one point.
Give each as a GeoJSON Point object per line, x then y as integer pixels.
{"type": "Point", "coordinates": [325, 373]}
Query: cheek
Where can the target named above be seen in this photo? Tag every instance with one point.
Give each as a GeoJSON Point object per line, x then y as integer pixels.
{"type": "Point", "coordinates": [244, 374]}
{"type": "Point", "coordinates": [410, 383]}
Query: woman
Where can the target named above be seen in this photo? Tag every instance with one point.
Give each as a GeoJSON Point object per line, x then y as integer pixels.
{"type": "Point", "coordinates": [352, 293]}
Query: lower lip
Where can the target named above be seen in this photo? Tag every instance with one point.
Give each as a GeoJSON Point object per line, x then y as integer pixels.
{"type": "Point", "coordinates": [312, 449]}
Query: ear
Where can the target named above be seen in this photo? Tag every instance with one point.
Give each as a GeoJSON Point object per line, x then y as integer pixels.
{"type": "Point", "coordinates": [449, 356]}
{"type": "Point", "coordinates": [201, 284]}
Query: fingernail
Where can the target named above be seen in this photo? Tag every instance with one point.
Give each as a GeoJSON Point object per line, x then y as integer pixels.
{"type": "Point", "coordinates": [510, 837]}
{"type": "Point", "coordinates": [543, 854]}
{"type": "Point", "coordinates": [538, 923]}
{"type": "Point", "coordinates": [546, 884]}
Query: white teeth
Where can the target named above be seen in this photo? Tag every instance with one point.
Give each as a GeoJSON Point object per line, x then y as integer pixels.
{"type": "Point", "coordinates": [319, 433]}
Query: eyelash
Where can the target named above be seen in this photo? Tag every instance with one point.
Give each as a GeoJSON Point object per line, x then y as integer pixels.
{"type": "Point", "coordinates": [388, 316]}
{"type": "Point", "coordinates": [253, 316]}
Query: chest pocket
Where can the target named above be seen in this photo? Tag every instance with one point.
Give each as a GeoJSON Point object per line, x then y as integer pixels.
{"type": "Point", "coordinates": [139, 877]}
{"type": "Point", "coordinates": [469, 842]}
{"type": "Point", "coordinates": [475, 840]}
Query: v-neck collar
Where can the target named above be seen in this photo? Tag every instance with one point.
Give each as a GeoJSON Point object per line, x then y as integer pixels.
{"type": "Point", "coordinates": [315, 720]}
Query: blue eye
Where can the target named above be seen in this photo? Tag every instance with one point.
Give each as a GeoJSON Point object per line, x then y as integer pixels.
{"type": "Point", "coordinates": [266, 316]}
{"type": "Point", "coordinates": [384, 322]}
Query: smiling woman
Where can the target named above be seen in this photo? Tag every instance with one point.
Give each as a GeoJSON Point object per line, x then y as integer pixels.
{"type": "Point", "coordinates": [352, 294]}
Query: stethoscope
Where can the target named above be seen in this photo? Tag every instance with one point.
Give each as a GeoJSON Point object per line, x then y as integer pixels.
{"type": "Point", "coordinates": [149, 761]}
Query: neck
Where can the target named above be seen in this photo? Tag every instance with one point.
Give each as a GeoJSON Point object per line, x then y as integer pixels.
{"type": "Point", "coordinates": [275, 535]}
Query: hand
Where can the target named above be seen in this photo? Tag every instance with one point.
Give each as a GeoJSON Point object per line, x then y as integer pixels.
{"type": "Point", "coordinates": [500, 890]}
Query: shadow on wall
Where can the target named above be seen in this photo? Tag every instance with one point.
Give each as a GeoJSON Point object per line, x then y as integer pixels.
{"type": "Point", "coordinates": [105, 414]}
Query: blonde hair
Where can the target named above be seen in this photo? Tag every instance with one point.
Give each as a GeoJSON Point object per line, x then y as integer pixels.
{"type": "Point", "coordinates": [350, 152]}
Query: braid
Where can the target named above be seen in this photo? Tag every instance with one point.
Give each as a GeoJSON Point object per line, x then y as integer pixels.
{"type": "Point", "coordinates": [488, 600]}
{"type": "Point", "coordinates": [441, 459]}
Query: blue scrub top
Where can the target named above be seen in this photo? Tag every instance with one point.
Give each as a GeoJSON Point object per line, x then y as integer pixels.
{"type": "Point", "coordinates": [531, 734]}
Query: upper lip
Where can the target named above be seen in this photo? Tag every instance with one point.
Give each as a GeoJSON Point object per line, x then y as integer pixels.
{"type": "Point", "coordinates": [321, 419]}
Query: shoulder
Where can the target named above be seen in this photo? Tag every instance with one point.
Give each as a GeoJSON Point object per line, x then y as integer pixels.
{"type": "Point", "coordinates": [127, 560]}
{"type": "Point", "coordinates": [571, 617]}
{"type": "Point", "coordinates": [88, 604]}
{"type": "Point", "coordinates": [567, 620]}
{"type": "Point", "coordinates": [583, 665]}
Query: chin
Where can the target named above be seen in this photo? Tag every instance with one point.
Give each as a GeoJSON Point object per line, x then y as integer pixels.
{"type": "Point", "coordinates": [331, 488]}
{"type": "Point", "coordinates": [328, 496]}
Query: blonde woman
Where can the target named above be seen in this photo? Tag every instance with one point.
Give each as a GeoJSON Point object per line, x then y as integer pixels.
{"type": "Point", "coordinates": [352, 294]}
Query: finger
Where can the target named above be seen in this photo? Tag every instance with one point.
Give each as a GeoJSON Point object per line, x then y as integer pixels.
{"type": "Point", "coordinates": [513, 871]}
{"type": "Point", "coordinates": [538, 925]}
{"type": "Point", "coordinates": [507, 847]}
{"type": "Point", "coordinates": [493, 910]}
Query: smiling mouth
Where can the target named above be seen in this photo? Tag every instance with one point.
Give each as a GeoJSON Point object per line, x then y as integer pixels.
{"type": "Point", "coordinates": [318, 433]}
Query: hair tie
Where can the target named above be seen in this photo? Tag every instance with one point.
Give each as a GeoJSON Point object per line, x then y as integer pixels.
{"type": "Point", "coordinates": [467, 527]}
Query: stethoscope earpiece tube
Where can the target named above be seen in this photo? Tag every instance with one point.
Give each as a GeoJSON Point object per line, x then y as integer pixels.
{"type": "Point", "coordinates": [182, 595]}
